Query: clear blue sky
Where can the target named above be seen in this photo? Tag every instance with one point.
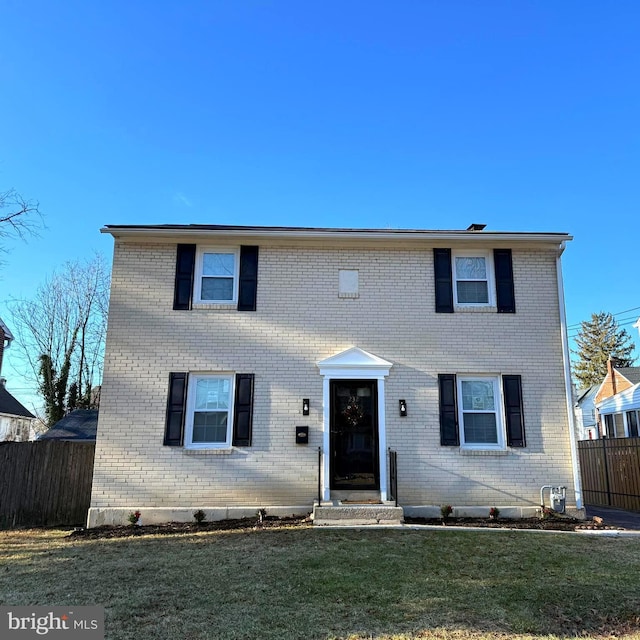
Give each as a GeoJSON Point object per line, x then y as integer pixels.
{"type": "Point", "coordinates": [410, 114]}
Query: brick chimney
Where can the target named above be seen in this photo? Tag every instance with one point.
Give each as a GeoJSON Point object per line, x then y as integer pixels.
{"type": "Point", "coordinates": [612, 375]}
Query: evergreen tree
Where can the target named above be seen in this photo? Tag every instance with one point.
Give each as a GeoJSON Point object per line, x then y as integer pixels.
{"type": "Point", "coordinates": [599, 339]}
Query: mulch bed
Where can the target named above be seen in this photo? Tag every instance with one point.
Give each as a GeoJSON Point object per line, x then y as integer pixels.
{"type": "Point", "coordinates": [554, 523]}
{"type": "Point", "coordinates": [127, 531]}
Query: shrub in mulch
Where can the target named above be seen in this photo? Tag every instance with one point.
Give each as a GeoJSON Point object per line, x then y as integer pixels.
{"type": "Point", "coordinates": [553, 523]}
{"type": "Point", "coordinates": [168, 528]}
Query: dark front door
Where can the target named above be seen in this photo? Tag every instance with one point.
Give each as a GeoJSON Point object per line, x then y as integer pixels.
{"type": "Point", "coordinates": [354, 434]}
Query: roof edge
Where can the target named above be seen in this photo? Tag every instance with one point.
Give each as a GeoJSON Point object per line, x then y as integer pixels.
{"type": "Point", "coordinates": [124, 231]}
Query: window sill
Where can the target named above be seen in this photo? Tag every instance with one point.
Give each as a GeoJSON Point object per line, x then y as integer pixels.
{"type": "Point", "coordinates": [462, 308]}
{"type": "Point", "coordinates": [484, 452]}
{"type": "Point", "coordinates": [215, 305]}
{"type": "Point", "coordinates": [351, 296]}
{"type": "Point", "coordinates": [208, 452]}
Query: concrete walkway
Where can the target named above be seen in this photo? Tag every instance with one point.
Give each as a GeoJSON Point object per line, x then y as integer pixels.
{"type": "Point", "coordinates": [615, 517]}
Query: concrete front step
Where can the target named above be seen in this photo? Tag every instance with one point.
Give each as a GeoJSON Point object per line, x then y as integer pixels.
{"type": "Point", "coordinates": [356, 515]}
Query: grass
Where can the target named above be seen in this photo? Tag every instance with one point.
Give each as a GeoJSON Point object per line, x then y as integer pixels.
{"type": "Point", "coordinates": [306, 583]}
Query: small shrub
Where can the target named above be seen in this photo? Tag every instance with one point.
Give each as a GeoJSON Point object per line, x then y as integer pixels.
{"type": "Point", "coordinates": [200, 516]}
{"type": "Point", "coordinates": [446, 510]}
{"type": "Point", "coordinates": [546, 513]}
{"type": "Point", "coordinates": [262, 514]}
{"type": "Point", "coordinates": [134, 518]}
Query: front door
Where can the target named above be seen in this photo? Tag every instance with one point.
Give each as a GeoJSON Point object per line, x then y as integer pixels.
{"type": "Point", "coordinates": [354, 434]}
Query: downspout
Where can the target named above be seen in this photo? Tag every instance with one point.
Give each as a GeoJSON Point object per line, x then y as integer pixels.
{"type": "Point", "coordinates": [577, 484]}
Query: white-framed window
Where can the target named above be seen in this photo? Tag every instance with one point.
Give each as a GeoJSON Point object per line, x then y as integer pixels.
{"type": "Point", "coordinates": [622, 425]}
{"type": "Point", "coordinates": [480, 412]}
{"type": "Point", "coordinates": [216, 275]}
{"type": "Point", "coordinates": [209, 414]}
{"type": "Point", "coordinates": [473, 276]}
{"type": "Point", "coordinates": [614, 423]}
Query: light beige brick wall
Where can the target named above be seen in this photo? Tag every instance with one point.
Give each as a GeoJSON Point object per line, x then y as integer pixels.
{"type": "Point", "coordinates": [300, 320]}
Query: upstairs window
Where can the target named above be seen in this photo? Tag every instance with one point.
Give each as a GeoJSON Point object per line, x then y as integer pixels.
{"type": "Point", "coordinates": [473, 277]}
{"type": "Point", "coordinates": [470, 279]}
{"type": "Point", "coordinates": [216, 276]}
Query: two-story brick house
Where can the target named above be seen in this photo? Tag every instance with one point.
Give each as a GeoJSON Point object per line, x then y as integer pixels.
{"type": "Point", "coordinates": [257, 367]}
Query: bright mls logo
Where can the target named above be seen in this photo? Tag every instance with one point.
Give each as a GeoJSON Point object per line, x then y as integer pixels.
{"type": "Point", "coordinates": [52, 623]}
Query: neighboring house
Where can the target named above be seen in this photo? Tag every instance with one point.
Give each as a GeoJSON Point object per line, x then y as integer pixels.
{"type": "Point", "coordinates": [612, 402]}
{"type": "Point", "coordinates": [585, 412]}
{"type": "Point", "coordinates": [81, 424]}
{"type": "Point", "coordinates": [620, 413]}
{"type": "Point", "coordinates": [16, 421]}
{"type": "Point", "coordinates": [255, 367]}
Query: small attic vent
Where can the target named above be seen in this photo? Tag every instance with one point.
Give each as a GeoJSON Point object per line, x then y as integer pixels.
{"type": "Point", "coordinates": [476, 227]}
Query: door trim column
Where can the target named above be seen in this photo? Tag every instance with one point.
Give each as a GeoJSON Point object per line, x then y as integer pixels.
{"type": "Point", "coordinates": [353, 363]}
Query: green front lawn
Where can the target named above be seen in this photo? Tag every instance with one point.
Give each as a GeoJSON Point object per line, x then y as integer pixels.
{"type": "Point", "coordinates": [306, 583]}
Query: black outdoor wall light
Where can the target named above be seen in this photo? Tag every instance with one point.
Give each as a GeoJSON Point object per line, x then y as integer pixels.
{"type": "Point", "coordinates": [305, 407]}
{"type": "Point", "coordinates": [403, 408]}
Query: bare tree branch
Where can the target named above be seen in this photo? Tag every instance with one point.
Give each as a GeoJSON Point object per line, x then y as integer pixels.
{"type": "Point", "coordinates": [19, 217]}
{"type": "Point", "coordinates": [65, 324]}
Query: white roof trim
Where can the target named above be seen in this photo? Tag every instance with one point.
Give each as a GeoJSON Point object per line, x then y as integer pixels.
{"type": "Point", "coordinates": [354, 361]}
{"type": "Point", "coordinates": [309, 233]}
{"type": "Point", "coordinates": [626, 400]}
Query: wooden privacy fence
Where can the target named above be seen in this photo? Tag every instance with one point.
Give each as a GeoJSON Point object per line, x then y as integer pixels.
{"type": "Point", "coordinates": [45, 483]}
{"type": "Point", "coordinates": [610, 471]}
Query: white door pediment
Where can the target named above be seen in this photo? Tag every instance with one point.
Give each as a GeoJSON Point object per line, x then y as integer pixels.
{"type": "Point", "coordinates": [352, 361]}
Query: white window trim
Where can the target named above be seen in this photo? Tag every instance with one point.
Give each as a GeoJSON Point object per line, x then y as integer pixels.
{"type": "Point", "coordinates": [190, 410]}
{"type": "Point", "coordinates": [499, 412]}
{"type": "Point", "coordinates": [627, 425]}
{"type": "Point", "coordinates": [491, 284]}
{"type": "Point", "coordinates": [198, 275]}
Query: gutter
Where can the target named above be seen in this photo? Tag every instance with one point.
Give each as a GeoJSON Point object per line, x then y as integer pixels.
{"type": "Point", "coordinates": [577, 483]}
{"type": "Point", "coordinates": [298, 233]}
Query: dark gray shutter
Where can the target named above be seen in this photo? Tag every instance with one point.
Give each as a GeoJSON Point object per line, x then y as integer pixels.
{"type": "Point", "coordinates": [176, 399]}
{"type": "Point", "coordinates": [248, 281]}
{"type": "Point", "coordinates": [449, 436]}
{"type": "Point", "coordinates": [185, 264]}
{"type": "Point", "coordinates": [505, 296]}
{"type": "Point", "coordinates": [243, 410]}
{"type": "Point", "coordinates": [512, 387]}
{"type": "Point", "coordinates": [443, 280]}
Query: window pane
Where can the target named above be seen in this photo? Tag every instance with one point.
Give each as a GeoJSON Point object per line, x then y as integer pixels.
{"type": "Point", "coordinates": [480, 428]}
{"type": "Point", "coordinates": [471, 269]}
{"type": "Point", "coordinates": [608, 421]}
{"type": "Point", "coordinates": [217, 289]}
{"type": "Point", "coordinates": [218, 264]}
{"type": "Point", "coordinates": [619, 425]}
{"type": "Point", "coordinates": [212, 394]}
{"type": "Point", "coordinates": [472, 292]}
{"type": "Point", "coordinates": [632, 423]}
{"type": "Point", "coordinates": [477, 395]}
{"type": "Point", "coordinates": [209, 427]}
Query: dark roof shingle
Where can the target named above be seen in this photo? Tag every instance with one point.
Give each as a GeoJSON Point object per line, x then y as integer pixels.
{"type": "Point", "coordinates": [81, 424]}
{"type": "Point", "coordinates": [632, 374]}
{"type": "Point", "coordinates": [10, 406]}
